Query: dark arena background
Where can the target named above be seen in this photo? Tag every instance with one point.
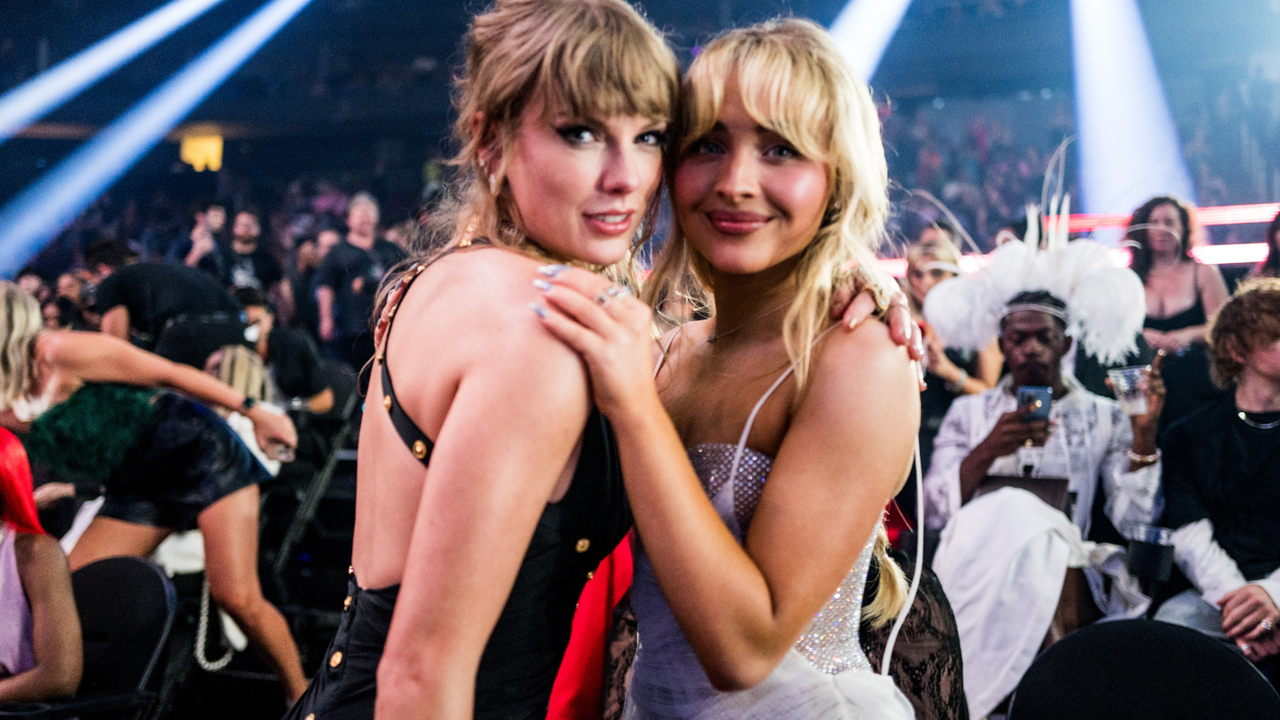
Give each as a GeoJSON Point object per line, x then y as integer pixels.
{"type": "Point", "coordinates": [122, 119]}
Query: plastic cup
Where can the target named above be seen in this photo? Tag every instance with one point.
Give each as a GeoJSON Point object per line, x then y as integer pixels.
{"type": "Point", "coordinates": [1128, 384]}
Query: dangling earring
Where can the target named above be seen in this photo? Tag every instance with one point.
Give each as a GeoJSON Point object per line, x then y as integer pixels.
{"type": "Point", "coordinates": [493, 184]}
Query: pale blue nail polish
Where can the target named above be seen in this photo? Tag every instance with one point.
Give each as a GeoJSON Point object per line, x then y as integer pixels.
{"type": "Point", "coordinates": [552, 270]}
{"type": "Point", "coordinates": [542, 285]}
{"type": "Point", "coordinates": [538, 310]}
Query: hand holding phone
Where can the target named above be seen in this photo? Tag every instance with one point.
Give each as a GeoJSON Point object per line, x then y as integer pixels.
{"type": "Point", "coordinates": [1030, 395]}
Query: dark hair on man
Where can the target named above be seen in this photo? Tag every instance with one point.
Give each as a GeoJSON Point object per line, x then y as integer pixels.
{"type": "Point", "coordinates": [202, 205]}
{"type": "Point", "coordinates": [251, 210]}
{"type": "Point", "coordinates": [28, 270]}
{"type": "Point", "coordinates": [112, 253]}
{"type": "Point", "coordinates": [1039, 297]}
{"type": "Point", "coordinates": [942, 226]}
{"type": "Point", "coordinates": [1142, 216]}
{"type": "Point", "coordinates": [252, 297]}
{"type": "Point", "coordinates": [1249, 320]}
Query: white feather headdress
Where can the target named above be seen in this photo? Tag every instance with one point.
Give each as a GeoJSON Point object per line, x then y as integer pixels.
{"type": "Point", "coordinates": [1105, 304]}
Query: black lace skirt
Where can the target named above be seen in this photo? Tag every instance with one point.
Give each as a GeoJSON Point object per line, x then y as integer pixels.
{"type": "Point", "coordinates": [926, 664]}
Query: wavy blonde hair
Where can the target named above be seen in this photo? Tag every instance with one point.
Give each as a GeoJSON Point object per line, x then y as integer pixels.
{"type": "Point", "coordinates": [20, 324]}
{"type": "Point", "coordinates": [593, 58]}
{"type": "Point", "coordinates": [795, 82]}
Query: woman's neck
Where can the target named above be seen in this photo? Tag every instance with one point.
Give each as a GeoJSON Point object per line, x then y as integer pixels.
{"type": "Point", "coordinates": [1257, 393]}
{"type": "Point", "coordinates": [1167, 259]}
{"type": "Point", "coordinates": [741, 300]}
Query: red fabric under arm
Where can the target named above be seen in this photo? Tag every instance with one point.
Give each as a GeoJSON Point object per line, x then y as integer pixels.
{"type": "Point", "coordinates": [15, 486]}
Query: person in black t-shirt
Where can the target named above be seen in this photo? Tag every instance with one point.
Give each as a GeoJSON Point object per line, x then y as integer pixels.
{"type": "Point", "coordinates": [348, 283]}
{"type": "Point", "coordinates": [245, 262]}
{"type": "Point", "coordinates": [209, 217]}
{"type": "Point", "coordinates": [291, 357]}
{"type": "Point", "coordinates": [1222, 483]}
{"type": "Point", "coordinates": [172, 310]}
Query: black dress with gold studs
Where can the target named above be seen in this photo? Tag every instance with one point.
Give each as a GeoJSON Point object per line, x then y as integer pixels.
{"type": "Point", "coordinates": [522, 657]}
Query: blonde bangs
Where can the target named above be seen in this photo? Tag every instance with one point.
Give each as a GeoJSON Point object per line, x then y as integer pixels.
{"type": "Point", "coordinates": [604, 70]}
{"type": "Point", "coordinates": [782, 94]}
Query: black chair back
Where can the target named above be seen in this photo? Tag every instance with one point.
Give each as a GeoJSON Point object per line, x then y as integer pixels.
{"type": "Point", "coordinates": [126, 607]}
{"type": "Point", "coordinates": [1136, 669]}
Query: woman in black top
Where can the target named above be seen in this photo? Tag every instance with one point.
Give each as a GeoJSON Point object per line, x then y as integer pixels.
{"type": "Point", "coordinates": [1182, 298]}
{"type": "Point", "coordinates": [1222, 483]}
{"type": "Point", "coordinates": [488, 487]}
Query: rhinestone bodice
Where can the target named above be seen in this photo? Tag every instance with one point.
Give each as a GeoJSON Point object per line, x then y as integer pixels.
{"type": "Point", "coordinates": [830, 643]}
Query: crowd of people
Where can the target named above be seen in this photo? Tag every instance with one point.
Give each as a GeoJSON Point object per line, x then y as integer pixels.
{"type": "Point", "coordinates": [539, 453]}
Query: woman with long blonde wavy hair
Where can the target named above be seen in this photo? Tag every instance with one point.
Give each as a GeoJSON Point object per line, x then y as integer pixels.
{"type": "Point", "coordinates": [760, 456]}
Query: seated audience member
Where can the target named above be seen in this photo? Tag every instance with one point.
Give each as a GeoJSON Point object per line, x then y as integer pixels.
{"type": "Point", "coordinates": [348, 283]}
{"type": "Point", "coordinates": [1182, 296]}
{"type": "Point", "coordinates": [301, 275]}
{"type": "Point", "coordinates": [1222, 483]}
{"type": "Point", "coordinates": [1270, 265]}
{"type": "Point", "coordinates": [244, 262]}
{"type": "Point", "coordinates": [1010, 563]}
{"type": "Point", "coordinates": [949, 372]}
{"type": "Point", "coordinates": [41, 656]}
{"type": "Point", "coordinates": [177, 312]}
{"type": "Point", "coordinates": [291, 357]}
{"type": "Point", "coordinates": [33, 284]}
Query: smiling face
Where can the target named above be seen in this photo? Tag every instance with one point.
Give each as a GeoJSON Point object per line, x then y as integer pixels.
{"type": "Point", "coordinates": [745, 198]}
{"type": "Point", "coordinates": [580, 187]}
{"type": "Point", "coordinates": [1166, 231]}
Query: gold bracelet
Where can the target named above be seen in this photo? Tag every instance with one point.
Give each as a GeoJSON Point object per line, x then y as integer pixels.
{"type": "Point", "coordinates": [1144, 459]}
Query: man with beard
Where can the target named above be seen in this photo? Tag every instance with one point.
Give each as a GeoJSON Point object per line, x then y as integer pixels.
{"type": "Point", "coordinates": [245, 263]}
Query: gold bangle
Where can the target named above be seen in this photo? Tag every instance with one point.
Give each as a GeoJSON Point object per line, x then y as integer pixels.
{"type": "Point", "coordinates": [1144, 459]}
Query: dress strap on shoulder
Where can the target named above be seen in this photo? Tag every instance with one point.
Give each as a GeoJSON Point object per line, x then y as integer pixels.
{"type": "Point", "coordinates": [751, 419]}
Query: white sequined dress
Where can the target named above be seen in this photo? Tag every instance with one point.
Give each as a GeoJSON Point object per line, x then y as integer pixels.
{"type": "Point", "coordinates": [825, 675]}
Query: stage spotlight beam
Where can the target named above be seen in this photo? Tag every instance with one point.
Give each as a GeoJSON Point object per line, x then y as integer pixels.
{"type": "Point", "coordinates": [1129, 147]}
{"type": "Point", "coordinates": [49, 205]}
{"type": "Point", "coordinates": [863, 30]}
{"type": "Point", "coordinates": [47, 91]}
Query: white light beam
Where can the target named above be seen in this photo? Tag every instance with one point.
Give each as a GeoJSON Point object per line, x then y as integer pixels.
{"type": "Point", "coordinates": [1129, 148]}
{"type": "Point", "coordinates": [863, 30]}
{"type": "Point", "coordinates": [46, 207]}
{"type": "Point", "coordinates": [47, 91]}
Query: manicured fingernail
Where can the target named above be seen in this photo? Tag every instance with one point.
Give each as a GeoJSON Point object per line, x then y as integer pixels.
{"type": "Point", "coordinates": [852, 323]}
{"type": "Point", "coordinates": [538, 310]}
{"type": "Point", "coordinates": [552, 270]}
{"type": "Point", "coordinates": [542, 285]}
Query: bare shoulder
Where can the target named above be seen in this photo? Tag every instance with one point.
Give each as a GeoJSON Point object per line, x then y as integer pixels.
{"type": "Point", "coordinates": [477, 302]}
{"type": "Point", "coordinates": [40, 559]}
{"type": "Point", "coordinates": [861, 369]}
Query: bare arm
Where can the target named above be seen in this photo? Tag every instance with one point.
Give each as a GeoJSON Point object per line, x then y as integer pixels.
{"type": "Point", "coordinates": [506, 439]}
{"type": "Point", "coordinates": [115, 322]}
{"type": "Point", "coordinates": [46, 580]}
{"type": "Point", "coordinates": [95, 357]}
{"type": "Point", "coordinates": [324, 303]}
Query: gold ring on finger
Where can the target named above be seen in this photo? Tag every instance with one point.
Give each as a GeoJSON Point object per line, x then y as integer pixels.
{"type": "Point", "coordinates": [1266, 626]}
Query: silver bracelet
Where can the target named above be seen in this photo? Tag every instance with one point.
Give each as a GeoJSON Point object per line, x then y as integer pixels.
{"type": "Point", "coordinates": [958, 385]}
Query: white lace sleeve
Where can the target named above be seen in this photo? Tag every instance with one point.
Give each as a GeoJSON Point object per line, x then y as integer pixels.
{"type": "Point", "coordinates": [1132, 497]}
{"type": "Point", "coordinates": [950, 448]}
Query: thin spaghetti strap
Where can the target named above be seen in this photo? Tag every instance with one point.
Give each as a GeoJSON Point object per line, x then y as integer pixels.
{"type": "Point", "coordinates": [751, 419]}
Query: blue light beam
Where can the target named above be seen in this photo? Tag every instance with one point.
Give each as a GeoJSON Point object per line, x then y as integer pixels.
{"type": "Point", "coordinates": [47, 91]}
{"type": "Point", "coordinates": [46, 207]}
{"type": "Point", "coordinates": [863, 30]}
{"type": "Point", "coordinates": [1129, 148]}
